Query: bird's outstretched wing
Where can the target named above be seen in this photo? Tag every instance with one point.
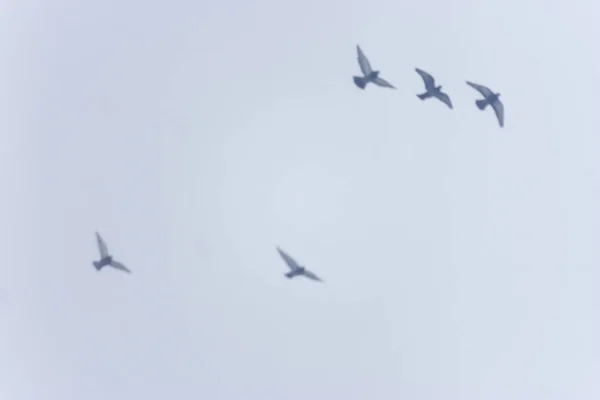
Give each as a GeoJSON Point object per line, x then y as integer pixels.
{"type": "Point", "coordinates": [382, 82]}
{"type": "Point", "coordinates": [119, 266]}
{"type": "Point", "coordinates": [484, 90]}
{"type": "Point", "coordinates": [427, 79]}
{"type": "Point", "coordinates": [312, 276]}
{"type": "Point", "coordinates": [363, 62]}
{"type": "Point", "coordinates": [499, 110]}
{"type": "Point", "coordinates": [101, 246]}
{"type": "Point", "coordinates": [288, 259]}
{"type": "Point", "coordinates": [444, 98]}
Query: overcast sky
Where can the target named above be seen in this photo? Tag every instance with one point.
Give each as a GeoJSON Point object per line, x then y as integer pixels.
{"type": "Point", "coordinates": [461, 260]}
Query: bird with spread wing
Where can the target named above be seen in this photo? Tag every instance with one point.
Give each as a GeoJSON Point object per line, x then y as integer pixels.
{"type": "Point", "coordinates": [432, 90]}
{"type": "Point", "coordinates": [295, 268]}
{"type": "Point", "coordinates": [106, 259]}
{"type": "Point", "coordinates": [490, 98]}
{"type": "Point", "coordinates": [368, 74]}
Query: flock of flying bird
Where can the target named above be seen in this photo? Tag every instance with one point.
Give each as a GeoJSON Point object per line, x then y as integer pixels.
{"type": "Point", "coordinates": [106, 259]}
{"type": "Point", "coordinates": [369, 76]}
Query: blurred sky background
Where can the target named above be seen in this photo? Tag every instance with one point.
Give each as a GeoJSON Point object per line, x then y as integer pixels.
{"type": "Point", "coordinates": [461, 260]}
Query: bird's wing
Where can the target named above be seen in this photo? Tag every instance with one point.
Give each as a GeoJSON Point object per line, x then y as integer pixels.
{"type": "Point", "coordinates": [101, 246]}
{"type": "Point", "coordinates": [312, 276]}
{"type": "Point", "coordinates": [382, 82]}
{"type": "Point", "coordinates": [499, 110]}
{"type": "Point", "coordinates": [119, 266]}
{"type": "Point", "coordinates": [444, 98]}
{"type": "Point", "coordinates": [485, 91]}
{"type": "Point", "coordinates": [365, 66]}
{"type": "Point", "coordinates": [427, 79]}
{"type": "Point", "coordinates": [288, 259]}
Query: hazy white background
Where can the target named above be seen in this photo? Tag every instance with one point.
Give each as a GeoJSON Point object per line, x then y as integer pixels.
{"type": "Point", "coordinates": [461, 260]}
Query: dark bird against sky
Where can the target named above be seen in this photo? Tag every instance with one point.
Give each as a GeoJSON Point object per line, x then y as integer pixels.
{"type": "Point", "coordinates": [295, 268]}
{"type": "Point", "coordinates": [432, 89]}
{"type": "Point", "coordinates": [490, 98]}
{"type": "Point", "coordinates": [105, 258]}
{"type": "Point", "coordinates": [368, 74]}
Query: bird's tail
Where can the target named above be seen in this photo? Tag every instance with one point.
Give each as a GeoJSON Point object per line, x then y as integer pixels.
{"type": "Point", "coordinates": [423, 96]}
{"type": "Point", "coordinates": [481, 104]}
{"type": "Point", "coordinates": [360, 82]}
{"type": "Point", "coordinates": [97, 265]}
{"type": "Point", "coordinates": [290, 274]}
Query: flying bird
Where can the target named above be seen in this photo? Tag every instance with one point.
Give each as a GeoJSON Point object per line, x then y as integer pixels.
{"type": "Point", "coordinates": [368, 74]}
{"type": "Point", "coordinates": [106, 258]}
{"type": "Point", "coordinates": [432, 89]}
{"type": "Point", "coordinates": [296, 269]}
{"type": "Point", "coordinates": [490, 98]}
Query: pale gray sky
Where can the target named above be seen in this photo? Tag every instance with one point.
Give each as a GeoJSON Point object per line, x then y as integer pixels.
{"type": "Point", "coordinates": [461, 260]}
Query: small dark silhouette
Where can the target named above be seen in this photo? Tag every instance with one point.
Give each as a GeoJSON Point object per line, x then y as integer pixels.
{"type": "Point", "coordinates": [295, 269]}
{"type": "Point", "coordinates": [106, 258]}
{"type": "Point", "coordinates": [369, 74]}
{"type": "Point", "coordinates": [432, 89]}
{"type": "Point", "coordinates": [490, 98]}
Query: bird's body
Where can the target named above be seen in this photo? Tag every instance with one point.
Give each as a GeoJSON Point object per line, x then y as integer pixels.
{"type": "Point", "coordinates": [432, 90]}
{"type": "Point", "coordinates": [106, 259]}
{"type": "Point", "coordinates": [103, 262]}
{"type": "Point", "coordinates": [490, 99]}
{"type": "Point", "coordinates": [295, 268]}
{"type": "Point", "coordinates": [295, 272]}
{"type": "Point", "coordinates": [368, 74]}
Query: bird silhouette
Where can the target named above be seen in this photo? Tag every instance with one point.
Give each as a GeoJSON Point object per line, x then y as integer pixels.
{"type": "Point", "coordinates": [490, 98]}
{"type": "Point", "coordinates": [295, 268]}
{"type": "Point", "coordinates": [432, 89]}
{"type": "Point", "coordinates": [105, 258]}
{"type": "Point", "coordinates": [368, 74]}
